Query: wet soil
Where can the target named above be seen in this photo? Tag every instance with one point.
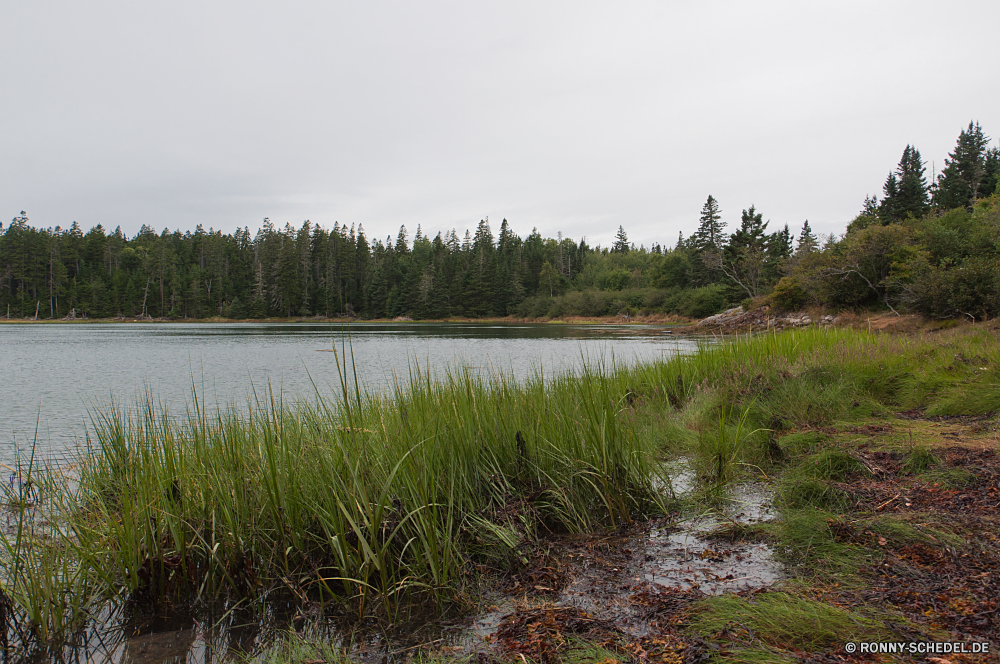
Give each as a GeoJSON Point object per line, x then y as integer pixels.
{"type": "Point", "coordinates": [629, 592]}
{"type": "Point", "coordinates": [946, 574]}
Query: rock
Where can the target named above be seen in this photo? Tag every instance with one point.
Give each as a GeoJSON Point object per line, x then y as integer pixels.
{"type": "Point", "coordinates": [723, 317]}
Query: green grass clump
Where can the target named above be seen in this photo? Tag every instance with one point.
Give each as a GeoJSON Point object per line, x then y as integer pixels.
{"type": "Point", "coordinates": [920, 460]}
{"type": "Point", "coordinates": [785, 621]}
{"type": "Point", "coordinates": [297, 649]}
{"type": "Point", "coordinates": [804, 492]}
{"type": "Point", "coordinates": [832, 465]}
{"type": "Point", "coordinates": [805, 442]}
{"type": "Point", "coordinates": [806, 541]}
{"type": "Point", "coordinates": [950, 478]}
{"type": "Point", "coordinates": [903, 532]}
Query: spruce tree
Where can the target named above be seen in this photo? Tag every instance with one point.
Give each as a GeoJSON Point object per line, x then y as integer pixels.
{"type": "Point", "coordinates": [991, 173]}
{"type": "Point", "coordinates": [807, 241]}
{"type": "Point", "coordinates": [709, 236]}
{"type": "Point", "coordinates": [912, 184]}
{"type": "Point", "coordinates": [905, 189]}
{"type": "Point", "coordinates": [888, 209]}
{"type": "Point", "coordinates": [751, 234]}
{"type": "Point", "coordinates": [959, 184]}
{"type": "Point", "coordinates": [621, 245]}
{"type": "Point", "coordinates": [870, 206]}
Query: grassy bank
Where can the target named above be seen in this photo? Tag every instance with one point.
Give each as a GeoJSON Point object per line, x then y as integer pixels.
{"type": "Point", "coordinates": [369, 503]}
{"type": "Point", "coordinates": [363, 503]}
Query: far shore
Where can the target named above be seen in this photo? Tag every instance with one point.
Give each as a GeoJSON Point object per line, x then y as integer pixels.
{"type": "Point", "coordinates": [654, 319]}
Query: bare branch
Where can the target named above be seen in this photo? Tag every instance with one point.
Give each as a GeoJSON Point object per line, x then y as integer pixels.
{"type": "Point", "coordinates": [849, 270]}
{"type": "Point", "coordinates": [715, 261]}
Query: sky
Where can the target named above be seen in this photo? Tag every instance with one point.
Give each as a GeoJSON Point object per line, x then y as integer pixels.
{"type": "Point", "coordinates": [573, 117]}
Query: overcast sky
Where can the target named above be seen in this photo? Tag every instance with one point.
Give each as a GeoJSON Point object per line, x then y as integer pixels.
{"type": "Point", "coordinates": [574, 117]}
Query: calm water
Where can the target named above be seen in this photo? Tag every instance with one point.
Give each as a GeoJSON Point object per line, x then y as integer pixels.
{"type": "Point", "coordinates": [58, 375]}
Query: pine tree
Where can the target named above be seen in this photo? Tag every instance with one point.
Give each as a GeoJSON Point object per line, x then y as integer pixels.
{"type": "Point", "coordinates": [991, 173]}
{"type": "Point", "coordinates": [870, 207]}
{"type": "Point", "coordinates": [913, 199]}
{"type": "Point", "coordinates": [751, 235]}
{"type": "Point", "coordinates": [709, 236]}
{"type": "Point", "coordinates": [960, 181]}
{"type": "Point", "coordinates": [888, 208]}
{"type": "Point", "coordinates": [621, 245]}
{"type": "Point", "coordinates": [807, 242]}
{"type": "Point", "coordinates": [905, 189]}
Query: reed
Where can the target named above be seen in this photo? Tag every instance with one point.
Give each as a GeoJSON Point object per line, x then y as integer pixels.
{"type": "Point", "coordinates": [368, 499]}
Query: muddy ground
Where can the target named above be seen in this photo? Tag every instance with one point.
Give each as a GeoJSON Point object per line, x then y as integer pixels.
{"type": "Point", "coordinates": [929, 538]}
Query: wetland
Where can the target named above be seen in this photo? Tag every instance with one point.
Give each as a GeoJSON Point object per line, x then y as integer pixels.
{"type": "Point", "coordinates": [766, 498]}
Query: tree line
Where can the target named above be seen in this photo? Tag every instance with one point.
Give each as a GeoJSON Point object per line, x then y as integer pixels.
{"type": "Point", "coordinates": [922, 246]}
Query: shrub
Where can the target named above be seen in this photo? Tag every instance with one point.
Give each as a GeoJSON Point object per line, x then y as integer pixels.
{"type": "Point", "coordinates": [788, 295]}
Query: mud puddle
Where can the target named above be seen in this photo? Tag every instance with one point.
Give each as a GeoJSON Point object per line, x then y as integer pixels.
{"type": "Point", "coordinates": [610, 578]}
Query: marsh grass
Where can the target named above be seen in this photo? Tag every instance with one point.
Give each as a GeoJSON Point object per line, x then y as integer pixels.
{"type": "Point", "coordinates": [785, 621]}
{"type": "Point", "coordinates": [363, 501]}
{"type": "Point", "coordinates": [372, 501]}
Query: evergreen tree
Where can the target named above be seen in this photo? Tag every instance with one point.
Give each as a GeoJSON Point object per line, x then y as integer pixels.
{"type": "Point", "coordinates": [905, 189]}
{"type": "Point", "coordinates": [807, 242]}
{"type": "Point", "coordinates": [751, 235]}
{"type": "Point", "coordinates": [709, 236]}
{"type": "Point", "coordinates": [888, 209]}
{"type": "Point", "coordinates": [913, 193]}
{"type": "Point", "coordinates": [960, 182]}
{"type": "Point", "coordinates": [621, 245]}
{"type": "Point", "coordinates": [991, 173]}
{"type": "Point", "coordinates": [870, 206]}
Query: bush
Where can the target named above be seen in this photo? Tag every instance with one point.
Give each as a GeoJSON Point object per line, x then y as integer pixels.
{"type": "Point", "coordinates": [615, 280]}
{"type": "Point", "coordinates": [697, 302]}
{"type": "Point", "coordinates": [788, 295]}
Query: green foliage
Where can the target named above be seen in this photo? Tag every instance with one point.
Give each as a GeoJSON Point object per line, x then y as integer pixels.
{"type": "Point", "coordinates": [709, 236]}
{"type": "Point", "coordinates": [615, 280]}
{"type": "Point", "coordinates": [697, 302]}
{"type": "Point", "coordinates": [906, 192]}
{"type": "Point", "coordinates": [962, 181]}
{"type": "Point", "coordinates": [788, 294]}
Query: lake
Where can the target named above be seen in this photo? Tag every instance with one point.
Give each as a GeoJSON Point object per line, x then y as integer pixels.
{"type": "Point", "coordinates": [56, 376]}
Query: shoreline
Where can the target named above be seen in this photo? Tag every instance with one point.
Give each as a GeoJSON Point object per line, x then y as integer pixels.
{"type": "Point", "coordinates": [877, 452]}
{"type": "Point", "coordinates": [720, 325]}
{"type": "Point", "coordinates": [656, 319]}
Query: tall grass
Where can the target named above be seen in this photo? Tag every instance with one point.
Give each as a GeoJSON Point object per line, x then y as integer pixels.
{"type": "Point", "coordinates": [366, 499]}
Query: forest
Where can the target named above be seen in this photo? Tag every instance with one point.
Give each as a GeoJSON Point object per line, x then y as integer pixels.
{"type": "Point", "coordinates": [927, 247]}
